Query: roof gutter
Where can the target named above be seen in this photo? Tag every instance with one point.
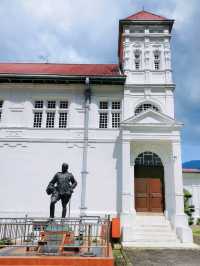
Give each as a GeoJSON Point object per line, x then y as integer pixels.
{"type": "Point", "coordinates": [37, 78]}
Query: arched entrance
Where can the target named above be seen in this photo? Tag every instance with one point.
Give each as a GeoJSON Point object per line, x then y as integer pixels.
{"type": "Point", "coordinates": [149, 183]}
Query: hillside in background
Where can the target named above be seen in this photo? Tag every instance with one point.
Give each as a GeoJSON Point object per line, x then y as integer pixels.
{"type": "Point", "coordinates": [195, 164]}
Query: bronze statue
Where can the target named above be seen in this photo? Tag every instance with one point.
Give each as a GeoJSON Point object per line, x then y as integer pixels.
{"type": "Point", "coordinates": [61, 188]}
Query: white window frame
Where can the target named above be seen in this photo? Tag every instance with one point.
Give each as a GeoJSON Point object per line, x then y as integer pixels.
{"type": "Point", "coordinates": [57, 110]}
{"type": "Point", "coordinates": [103, 111]}
{"type": "Point", "coordinates": [109, 111]}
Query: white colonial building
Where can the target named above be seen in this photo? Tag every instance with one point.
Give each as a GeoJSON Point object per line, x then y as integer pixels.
{"type": "Point", "coordinates": [123, 145]}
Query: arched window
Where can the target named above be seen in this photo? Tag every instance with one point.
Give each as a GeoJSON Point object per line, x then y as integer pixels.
{"type": "Point", "coordinates": [148, 159]}
{"type": "Point", "coordinates": [145, 106]}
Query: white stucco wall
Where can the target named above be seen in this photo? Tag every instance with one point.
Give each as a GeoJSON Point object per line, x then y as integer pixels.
{"type": "Point", "coordinates": [31, 156]}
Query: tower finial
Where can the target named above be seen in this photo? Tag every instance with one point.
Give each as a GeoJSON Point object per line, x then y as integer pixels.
{"type": "Point", "coordinates": [142, 8]}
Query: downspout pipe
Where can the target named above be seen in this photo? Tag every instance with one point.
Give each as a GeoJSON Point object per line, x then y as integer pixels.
{"type": "Point", "coordinates": [84, 173]}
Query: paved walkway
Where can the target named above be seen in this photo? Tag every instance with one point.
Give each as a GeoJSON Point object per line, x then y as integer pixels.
{"type": "Point", "coordinates": [163, 257]}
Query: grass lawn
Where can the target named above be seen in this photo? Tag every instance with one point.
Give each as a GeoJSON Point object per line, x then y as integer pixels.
{"type": "Point", "coordinates": [196, 234]}
{"type": "Point", "coordinates": [196, 230]}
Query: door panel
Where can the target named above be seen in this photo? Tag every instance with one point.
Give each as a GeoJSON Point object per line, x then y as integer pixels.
{"type": "Point", "coordinates": [148, 195]}
{"type": "Point", "coordinates": [141, 194]}
{"type": "Point", "coordinates": [155, 194]}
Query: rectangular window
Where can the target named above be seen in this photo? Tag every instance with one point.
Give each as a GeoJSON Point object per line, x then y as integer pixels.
{"type": "Point", "coordinates": [157, 65]}
{"type": "Point", "coordinates": [39, 104]}
{"type": "Point", "coordinates": [51, 104]}
{"type": "Point", "coordinates": [137, 65]}
{"type": "Point", "coordinates": [63, 120]}
{"type": "Point", "coordinates": [1, 106]}
{"type": "Point", "coordinates": [63, 104]}
{"type": "Point", "coordinates": [115, 120]}
{"type": "Point", "coordinates": [103, 105]}
{"type": "Point", "coordinates": [116, 105]}
{"type": "Point", "coordinates": [103, 120]}
{"type": "Point", "coordinates": [50, 120]}
{"type": "Point", "coordinates": [37, 123]}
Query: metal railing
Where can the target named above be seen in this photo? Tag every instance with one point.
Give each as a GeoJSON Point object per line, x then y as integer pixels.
{"type": "Point", "coordinates": [87, 235]}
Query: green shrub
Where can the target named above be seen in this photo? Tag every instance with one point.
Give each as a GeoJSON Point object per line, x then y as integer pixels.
{"type": "Point", "coordinates": [189, 209]}
{"type": "Point", "coordinates": [5, 241]}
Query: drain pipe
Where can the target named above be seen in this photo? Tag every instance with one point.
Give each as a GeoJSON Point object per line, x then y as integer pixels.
{"type": "Point", "coordinates": [87, 95]}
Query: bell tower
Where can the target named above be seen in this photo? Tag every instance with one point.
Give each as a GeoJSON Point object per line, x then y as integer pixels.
{"type": "Point", "coordinates": [144, 48]}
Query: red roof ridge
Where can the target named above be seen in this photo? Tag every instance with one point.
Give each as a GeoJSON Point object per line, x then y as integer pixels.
{"type": "Point", "coordinates": [60, 69]}
{"type": "Point", "coordinates": [191, 170]}
{"type": "Point", "coordinates": [145, 15]}
{"type": "Point", "coordinates": [59, 64]}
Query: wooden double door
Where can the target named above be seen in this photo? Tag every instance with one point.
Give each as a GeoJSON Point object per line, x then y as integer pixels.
{"type": "Point", "coordinates": [149, 195]}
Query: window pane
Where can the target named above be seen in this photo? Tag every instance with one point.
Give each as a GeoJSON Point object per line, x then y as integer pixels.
{"type": "Point", "coordinates": [37, 119]}
{"type": "Point", "coordinates": [103, 105]}
{"type": "Point", "coordinates": [38, 104]}
{"type": "Point", "coordinates": [50, 120]}
{"type": "Point", "coordinates": [63, 120]}
{"type": "Point", "coordinates": [157, 65]}
{"type": "Point", "coordinates": [115, 120]}
{"type": "Point", "coordinates": [144, 107]}
{"type": "Point", "coordinates": [116, 105]}
{"type": "Point", "coordinates": [137, 65]}
{"type": "Point", "coordinates": [64, 104]}
{"type": "Point", "coordinates": [148, 159]}
{"type": "Point", "coordinates": [51, 104]}
{"type": "Point", "coordinates": [103, 120]}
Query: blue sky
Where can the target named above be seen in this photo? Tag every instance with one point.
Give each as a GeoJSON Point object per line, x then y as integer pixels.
{"type": "Point", "coordinates": [86, 31]}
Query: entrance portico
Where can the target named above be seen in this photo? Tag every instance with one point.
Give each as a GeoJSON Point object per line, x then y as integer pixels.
{"type": "Point", "coordinates": [162, 139]}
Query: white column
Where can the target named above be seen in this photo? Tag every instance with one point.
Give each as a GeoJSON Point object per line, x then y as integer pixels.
{"type": "Point", "coordinates": [179, 219]}
{"type": "Point", "coordinates": [127, 180]}
{"type": "Point", "coordinates": [128, 209]}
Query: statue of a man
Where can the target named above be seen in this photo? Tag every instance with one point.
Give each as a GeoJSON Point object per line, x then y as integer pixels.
{"type": "Point", "coordinates": [61, 188]}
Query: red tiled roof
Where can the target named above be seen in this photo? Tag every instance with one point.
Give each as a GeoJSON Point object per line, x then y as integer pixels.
{"type": "Point", "coordinates": [60, 69]}
{"type": "Point", "coordinates": [144, 15]}
{"type": "Point", "coordinates": [189, 170]}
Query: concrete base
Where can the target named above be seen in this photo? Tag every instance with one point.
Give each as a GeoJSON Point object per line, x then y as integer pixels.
{"type": "Point", "coordinates": [183, 231]}
{"type": "Point", "coordinates": [185, 234]}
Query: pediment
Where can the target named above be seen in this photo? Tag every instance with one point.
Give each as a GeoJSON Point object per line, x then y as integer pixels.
{"type": "Point", "coordinates": [150, 117]}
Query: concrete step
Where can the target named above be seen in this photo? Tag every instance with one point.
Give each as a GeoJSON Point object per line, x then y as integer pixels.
{"type": "Point", "coordinates": [156, 237]}
{"type": "Point", "coordinates": [154, 220]}
{"type": "Point", "coordinates": [161, 245]}
{"type": "Point", "coordinates": [161, 234]}
{"type": "Point", "coordinates": [152, 223]}
{"type": "Point", "coordinates": [138, 240]}
{"type": "Point", "coordinates": [154, 229]}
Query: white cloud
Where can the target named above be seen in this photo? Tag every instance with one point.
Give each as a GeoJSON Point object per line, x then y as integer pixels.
{"type": "Point", "coordinates": [180, 10]}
